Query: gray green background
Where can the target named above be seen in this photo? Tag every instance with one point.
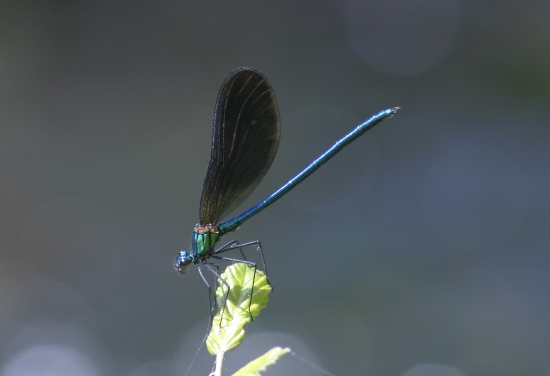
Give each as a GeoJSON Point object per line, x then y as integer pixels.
{"type": "Point", "coordinates": [421, 249]}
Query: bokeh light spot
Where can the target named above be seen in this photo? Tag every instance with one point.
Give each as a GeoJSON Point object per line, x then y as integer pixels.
{"type": "Point", "coordinates": [49, 360]}
{"type": "Point", "coordinates": [401, 37]}
{"type": "Point", "coordinates": [433, 370]}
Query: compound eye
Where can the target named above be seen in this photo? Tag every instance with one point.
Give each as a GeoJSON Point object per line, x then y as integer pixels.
{"type": "Point", "coordinates": [183, 262]}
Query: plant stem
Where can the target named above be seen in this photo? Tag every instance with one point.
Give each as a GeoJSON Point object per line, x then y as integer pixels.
{"type": "Point", "coordinates": [219, 364]}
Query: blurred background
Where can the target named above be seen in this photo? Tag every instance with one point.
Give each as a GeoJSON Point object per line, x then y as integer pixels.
{"type": "Point", "coordinates": [421, 249]}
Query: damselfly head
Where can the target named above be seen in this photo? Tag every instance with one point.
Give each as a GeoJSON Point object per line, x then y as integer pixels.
{"type": "Point", "coordinates": [183, 262]}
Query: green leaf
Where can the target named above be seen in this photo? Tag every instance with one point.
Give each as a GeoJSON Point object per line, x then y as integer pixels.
{"type": "Point", "coordinates": [239, 308]}
{"type": "Point", "coordinates": [261, 363]}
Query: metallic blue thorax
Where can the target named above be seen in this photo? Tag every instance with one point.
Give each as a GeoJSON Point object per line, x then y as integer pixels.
{"type": "Point", "coordinates": [204, 239]}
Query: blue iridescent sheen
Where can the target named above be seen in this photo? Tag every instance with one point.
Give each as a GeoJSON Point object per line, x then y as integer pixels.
{"type": "Point", "coordinates": [244, 142]}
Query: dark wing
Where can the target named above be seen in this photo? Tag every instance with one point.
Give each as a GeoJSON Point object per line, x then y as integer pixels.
{"type": "Point", "coordinates": [245, 139]}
